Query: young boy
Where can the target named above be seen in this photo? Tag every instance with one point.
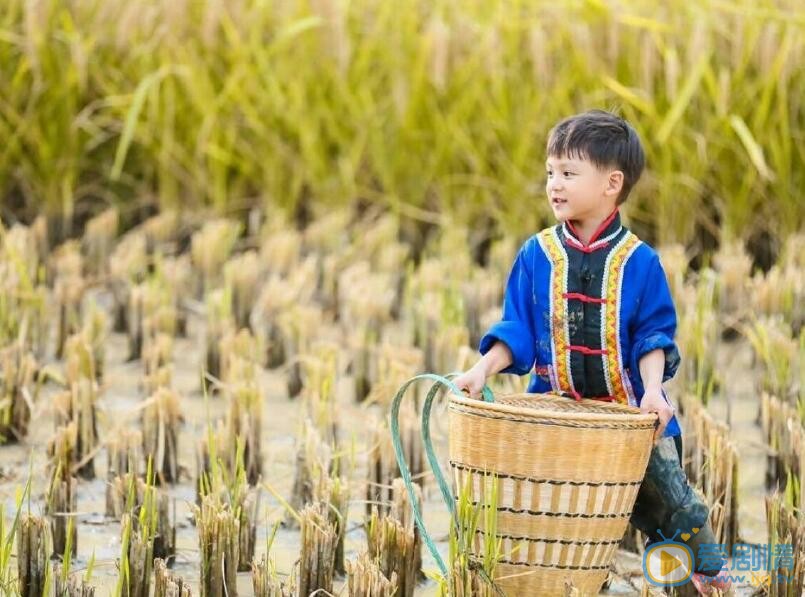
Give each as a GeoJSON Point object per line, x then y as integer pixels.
{"type": "Point", "coordinates": [588, 312]}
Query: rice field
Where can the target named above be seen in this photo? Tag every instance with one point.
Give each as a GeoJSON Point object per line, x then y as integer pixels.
{"type": "Point", "coordinates": [256, 456]}
{"type": "Point", "coordinates": [230, 231]}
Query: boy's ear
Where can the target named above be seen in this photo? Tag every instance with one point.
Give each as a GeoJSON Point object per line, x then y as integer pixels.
{"type": "Point", "coordinates": [614, 183]}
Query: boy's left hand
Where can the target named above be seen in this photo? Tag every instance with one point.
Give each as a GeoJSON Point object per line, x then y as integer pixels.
{"type": "Point", "coordinates": [654, 402]}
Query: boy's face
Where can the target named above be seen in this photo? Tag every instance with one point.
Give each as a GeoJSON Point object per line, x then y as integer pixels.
{"type": "Point", "coordinates": [578, 190]}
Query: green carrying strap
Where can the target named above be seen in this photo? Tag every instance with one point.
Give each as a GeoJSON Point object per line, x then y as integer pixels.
{"type": "Point", "coordinates": [440, 382]}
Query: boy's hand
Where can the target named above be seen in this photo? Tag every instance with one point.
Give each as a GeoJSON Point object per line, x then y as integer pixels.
{"type": "Point", "coordinates": [472, 381]}
{"type": "Point", "coordinates": [653, 402]}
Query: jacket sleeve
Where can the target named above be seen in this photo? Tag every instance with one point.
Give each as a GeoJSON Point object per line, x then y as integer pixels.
{"type": "Point", "coordinates": [516, 328]}
{"type": "Point", "coordinates": [655, 322]}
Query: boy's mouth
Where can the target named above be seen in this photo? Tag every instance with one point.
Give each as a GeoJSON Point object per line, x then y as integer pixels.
{"type": "Point", "coordinates": [558, 200]}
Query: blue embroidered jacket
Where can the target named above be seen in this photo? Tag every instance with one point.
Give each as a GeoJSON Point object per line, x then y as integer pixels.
{"type": "Point", "coordinates": [579, 317]}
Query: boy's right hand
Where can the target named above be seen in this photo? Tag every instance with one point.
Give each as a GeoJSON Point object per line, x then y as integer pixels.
{"type": "Point", "coordinates": [472, 381]}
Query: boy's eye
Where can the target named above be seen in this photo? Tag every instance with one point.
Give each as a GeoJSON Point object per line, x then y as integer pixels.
{"type": "Point", "coordinates": [567, 173]}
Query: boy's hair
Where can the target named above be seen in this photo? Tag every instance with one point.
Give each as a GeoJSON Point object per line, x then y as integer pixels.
{"type": "Point", "coordinates": [603, 138]}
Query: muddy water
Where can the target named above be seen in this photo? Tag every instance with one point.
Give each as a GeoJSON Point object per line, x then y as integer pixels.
{"type": "Point", "coordinates": [122, 394]}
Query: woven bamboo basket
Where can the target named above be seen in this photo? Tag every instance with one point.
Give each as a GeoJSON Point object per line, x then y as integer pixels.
{"type": "Point", "coordinates": [568, 473]}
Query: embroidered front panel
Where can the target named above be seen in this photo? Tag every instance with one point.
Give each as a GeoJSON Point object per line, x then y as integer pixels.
{"type": "Point", "coordinates": [612, 282]}
{"type": "Point", "coordinates": [561, 379]}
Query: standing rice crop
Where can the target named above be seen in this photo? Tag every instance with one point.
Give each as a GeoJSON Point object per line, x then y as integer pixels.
{"type": "Point", "coordinates": [698, 335]}
{"type": "Point", "coordinates": [711, 459]}
{"type": "Point", "coordinates": [100, 233]}
{"type": "Point", "coordinates": [210, 247]}
{"type": "Point", "coordinates": [33, 554]}
{"type": "Point", "coordinates": [242, 276]}
{"type": "Point", "coordinates": [68, 292]}
{"type": "Point", "coordinates": [395, 545]}
{"type": "Point", "coordinates": [218, 531]}
{"type": "Point", "coordinates": [265, 580]}
{"type": "Point", "coordinates": [785, 435]}
{"type": "Point", "coordinates": [127, 268]}
{"type": "Point", "coordinates": [786, 547]}
{"type": "Point", "coordinates": [161, 421]}
{"type": "Point", "coordinates": [17, 391]}
{"type": "Point", "coordinates": [319, 538]}
{"type": "Point", "coordinates": [781, 356]}
{"type": "Point", "coordinates": [474, 548]}
{"type": "Point", "coordinates": [166, 584]}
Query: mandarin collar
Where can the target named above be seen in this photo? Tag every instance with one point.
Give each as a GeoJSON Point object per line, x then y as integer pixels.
{"type": "Point", "coordinates": [608, 228]}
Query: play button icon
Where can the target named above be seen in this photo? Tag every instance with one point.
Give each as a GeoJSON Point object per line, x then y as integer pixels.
{"type": "Point", "coordinates": [668, 564]}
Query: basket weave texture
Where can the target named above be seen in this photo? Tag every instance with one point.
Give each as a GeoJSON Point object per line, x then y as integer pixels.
{"type": "Point", "coordinates": [568, 473]}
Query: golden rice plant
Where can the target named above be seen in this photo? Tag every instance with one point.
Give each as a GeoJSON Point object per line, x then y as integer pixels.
{"type": "Point", "coordinates": [73, 585]}
{"type": "Point", "coordinates": [459, 133]}
{"type": "Point", "coordinates": [218, 532]}
{"type": "Point", "coordinates": [480, 294]}
{"type": "Point", "coordinates": [382, 468]}
{"type": "Point", "coordinates": [129, 494]}
{"type": "Point", "coordinates": [163, 228]}
{"type": "Point", "coordinates": [178, 271]}
{"type": "Point", "coordinates": [785, 434]}
{"type": "Point", "coordinates": [265, 580]}
{"type": "Point", "coordinates": [33, 554]}
{"type": "Point", "coordinates": [328, 232]}
{"type": "Point", "coordinates": [95, 329]}
{"type": "Point", "coordinates": [675, 262]}
{"type": "Point", "coordinates": [68, 292]}
{"type": "Point", "coordinates": [61, 495]}
{"type": "Point", "coordinates": [17, 392]}
{"type": "Point", "coordinates": [219, 324]}
{"type": "Point", "coordinates": [157, 359]}
{"type": "Point", "coordinates": [127, 268]}
{"type": "Point", "coordinates": [9, 582]}
{"type": "Point", "coordinates": [123, 457]}
{"type": "Point", "coordinates": [365, 579]}
{"type": "Point", "coordinates": [474, 548]}
{"type": "Point", "coordinates": [23, 315]}
{"type": "Point", "coordinates": [365, 305]}
{"type": "Point", "coordinates": [161, 420]}
{"type": "Point", "coordinates": [299, 324]}
{"type": "Point", "coordinates": [152, 312]}
{"type": "Point", "coordinates": [319, 538]}
{"type": "Point", "coordinates": [242, 275]}
{"type": "Point", "coordinates": [275, 296]}
{"type": "Point", "coordinates": [734, 267]}
{"type": "Point", "coordinates": [780, 291]}
{"type": "Point", "coordinates": [698, 333]}
{"type": "Point", "coordinates": [244, 426]}
{"type": "Point", "coordinates": [394, 365]}
{"type": "Point", "coordinates": [322, 369]}
{"type": "Point", "coordinates": [79, 404]}
{"type": "Point", "coordinates": [144, 519]}
{"type": "Point", "coordinates": [61, 570]}
{"type": "Point", "coordinates": [711, 463]}
{"type": "Point", "coordinates": [779, 353]}
{"type": "Point", "coordinates": [394, 541]}
{"type": "Point", "coordinates": [134, 577]}
{"type": "Point", "coordinates": [167, 584]}
{"type": "Point", "coordinates": [210, 247]}
{"type": "Point", "coordinates": [280, 248]}
{"type": "Point", "coordinates": [314, 458]}
{"type": "Point", "coordinates": [786, 546]}
{"type": "Point", "coordinates": [239, 356]}
{"type": "Point", "coordinates": [100, 233]}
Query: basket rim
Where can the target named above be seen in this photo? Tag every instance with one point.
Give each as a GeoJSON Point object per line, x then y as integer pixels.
{"type": "Point", "coordinates": [631, 415]}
